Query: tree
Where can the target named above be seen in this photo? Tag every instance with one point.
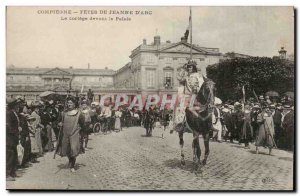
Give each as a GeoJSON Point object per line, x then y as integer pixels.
{"type": "Point", "coordinates": [261, 74]}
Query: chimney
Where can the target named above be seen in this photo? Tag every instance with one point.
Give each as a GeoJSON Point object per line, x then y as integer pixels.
{"type": "Point", "coordinates": [144, 42]}
{"type": "Point", "coordinates": [168, 42]}
{"type": "Point", "coordinates": [88, 66]}
{"type": "Point", "coordinates": [156, 40]}
{"type": "Point", "coordinates": [183, 40]}
{"type": "Point", "coordinates": [106, 68]}
{"type": "Point", "coordinates": [70, 67]}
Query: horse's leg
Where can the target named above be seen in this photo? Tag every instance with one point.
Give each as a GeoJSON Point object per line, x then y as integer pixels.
{"type": "Point", "coordinates": [206, 145]}
{"type": "Point", "coordinates": [181, 142]}
{"type": "Point", "coordinates": [196, 150]}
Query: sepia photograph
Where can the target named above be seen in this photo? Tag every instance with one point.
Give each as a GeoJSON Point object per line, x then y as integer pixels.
{"type": "Point", "coordinates": [150, 98]}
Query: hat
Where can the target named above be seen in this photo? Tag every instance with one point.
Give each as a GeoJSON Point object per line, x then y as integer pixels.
{"type": "Point", "coordinates": [71, 98]}
{"type": "Point", "coordinates": [51, 102]}
{"type": "Point", "coordinates": [237, 103]}
{"type": "Point", "coordinates": [261, 97]}
{"type": "Point", "coordinates": [272, 106]}
{"type": "Point", "coordinates": [218, 101]}
{"type": "Point", "coordinates": [256, 106]}
{"type": "Point", "coordinates": [225, 110]}
{"type": "Point", "coordinates": [231, 107]}
{"type": "Point", "coordinates": [287, 106]}
{"type": "Point", "coordinates": [267, 97]}
{"type": "Point", "coordinates": [11, 101]}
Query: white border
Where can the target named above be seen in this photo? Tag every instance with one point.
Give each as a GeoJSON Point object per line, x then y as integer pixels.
{"type": "Point", "coordinates": [5, 3]}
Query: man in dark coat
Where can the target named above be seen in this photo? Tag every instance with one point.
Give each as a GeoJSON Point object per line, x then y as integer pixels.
{"type": "Point", "coordinates": [25, 140]}
{"type": "Point", "coordinates": [12, 137]}
{"type": "Point", "coordinates": [149, 121]}
{"type": "Point", "coordinates": [288, 127]}
{"type": "Point", "coordinates": [279, 135]}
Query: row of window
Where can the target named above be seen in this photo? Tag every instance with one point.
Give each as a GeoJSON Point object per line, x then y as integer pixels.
{"type": "Point", "coordinates": [151, 78]}
{"type": "Point", "coordinates": [152, 58]}
{"type": "Point", "coordinates": [28, 78]}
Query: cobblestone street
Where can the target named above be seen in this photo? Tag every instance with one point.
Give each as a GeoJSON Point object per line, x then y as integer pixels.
{"type": "Point", "coordinates": [130, 161]}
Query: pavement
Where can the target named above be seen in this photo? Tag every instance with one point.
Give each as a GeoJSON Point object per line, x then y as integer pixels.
{"type": "Point", "coordinates": [129, 160]}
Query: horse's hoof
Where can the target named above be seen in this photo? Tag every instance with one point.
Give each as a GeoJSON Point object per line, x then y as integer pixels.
{"type": "Point", "coordinates": [204, 162]}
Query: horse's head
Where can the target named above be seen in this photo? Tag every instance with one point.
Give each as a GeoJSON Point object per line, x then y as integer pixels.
{"type": "Point", "coordinates": [206, 94]}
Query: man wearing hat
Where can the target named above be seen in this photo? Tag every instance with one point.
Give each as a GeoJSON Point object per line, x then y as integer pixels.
{"type": "Point", "coordinates": [288, 127]}
{"type": "Point", "coordinates": [72, 121]}
{"type": "Point", "coordinates": [13, 129]}
{"type": "Point", "coordinates": [277, 119]}
{"type": "Point", "coordinates": [84, 132]}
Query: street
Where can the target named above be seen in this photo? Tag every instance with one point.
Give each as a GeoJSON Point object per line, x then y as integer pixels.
{"type": "Point", "coordinates": [130, 161]}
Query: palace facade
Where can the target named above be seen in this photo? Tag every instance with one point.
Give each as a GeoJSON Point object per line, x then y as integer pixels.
{"type": "Point", "coordinates": [153, 67]}
{"type": "Point", "coordinates": [152, 70]}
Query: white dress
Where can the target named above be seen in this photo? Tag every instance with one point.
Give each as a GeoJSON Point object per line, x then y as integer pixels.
{"type": "Point", "coordinates": [193, 83]}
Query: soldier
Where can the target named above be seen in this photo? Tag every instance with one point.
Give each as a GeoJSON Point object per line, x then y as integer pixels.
{"type": "Point", "coordinates": [69, 144]}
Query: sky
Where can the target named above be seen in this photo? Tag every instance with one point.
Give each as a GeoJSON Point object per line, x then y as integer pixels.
{"type": "Point", "coordinates": [45, 40]}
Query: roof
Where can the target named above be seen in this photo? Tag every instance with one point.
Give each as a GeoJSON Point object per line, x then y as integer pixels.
{"type": "Point", "coordinates": [71, 71]}
{"type": "Point", "coordinates": [165, 46]}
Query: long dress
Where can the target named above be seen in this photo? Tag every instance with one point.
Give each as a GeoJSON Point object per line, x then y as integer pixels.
{"type": "Point", "coordinates": [265, 135]}
{"type": "Point", "coordinates": [36, 124]}
{"type": "Point", "coordinates": [193, 83]}
{"type": "Point", "coordinates": [70, 143]}
{"type": "Point", "coordinates": [118, 115]}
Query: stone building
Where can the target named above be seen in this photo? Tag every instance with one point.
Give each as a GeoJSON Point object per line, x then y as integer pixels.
{"type": "Point", "coordinates": [153, 67]}
{"type": "Point", "coordinates": [152, 70]}
{"type": "Point", "coordinates": [30, 82]}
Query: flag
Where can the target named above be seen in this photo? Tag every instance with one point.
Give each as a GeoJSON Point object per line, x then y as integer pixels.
{"type": "Point", "coordinates": [186, 34]}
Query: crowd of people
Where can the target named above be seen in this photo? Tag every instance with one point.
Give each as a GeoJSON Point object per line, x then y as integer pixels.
{"type": "Point", "coordinates": [45, 126]}
{"type": "Point", "coordinates": [263, 122]}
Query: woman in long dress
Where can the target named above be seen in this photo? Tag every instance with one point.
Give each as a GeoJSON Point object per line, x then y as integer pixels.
{"type": "Point", "coordinates": [118, 116]}
{"type": "Point", "coordinates": [37, 128]}
{"type": "Point", "coordinates": [265, 134]}
{"type": "Point", "coordinates": [191, 82]}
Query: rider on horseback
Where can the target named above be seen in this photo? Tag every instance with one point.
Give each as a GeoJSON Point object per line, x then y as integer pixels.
{"type": "Point", "coordinates": [191, 81]}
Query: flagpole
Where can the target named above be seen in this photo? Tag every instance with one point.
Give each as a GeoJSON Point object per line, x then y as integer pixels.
{"type": "Point", "coordinates": [191, 37]}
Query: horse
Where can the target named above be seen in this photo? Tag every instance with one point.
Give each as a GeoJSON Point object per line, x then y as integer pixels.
{"type": "Point", "coordinates": [199, 122]}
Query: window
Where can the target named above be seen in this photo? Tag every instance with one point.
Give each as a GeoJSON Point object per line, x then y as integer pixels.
{"type": "Point", "coordinates": [28, 78]}
{"type": "Point", "coordinates": [168, 79]}
{"type": "Point", "coordinates": [150, 77]}
{"type": "Point", "coordinates": [168, 60]}
{"type": "Point", "coordinates": [56, 80]}
{"type": "Point", "coordinates": [11, 78]}
{"type": "Point", "coordinates": [202, 59]}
